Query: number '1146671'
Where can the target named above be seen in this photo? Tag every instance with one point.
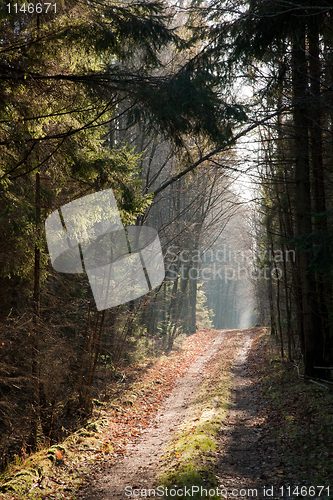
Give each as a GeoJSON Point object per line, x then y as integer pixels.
{"type": "Point", "coordinates": [31, 8]}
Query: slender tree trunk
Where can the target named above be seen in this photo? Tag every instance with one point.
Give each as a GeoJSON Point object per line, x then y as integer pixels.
{"type": "Point", "coordinates": [164, 319]}
{"type": "Point", "coordinates": [319, 196]}
{"type": "Point", "coordinates": [182, 293]}
{"type": "Point", "coordinates": [94, 354]}
{"type": "Point", "coordinates": [36, 323]}
{"type": "Point", "coordinates": [278, 309]}
{"type": "Point", "coordinates": [283, 219]}
{"type": "Point", "coordinates": [313, 342]}
{"type": "Point", "coordinates": [173, 300]}
{"type": "Point", "coordinates": [270, 280]}
{"type": "Point", "coordinates": [84, 357]}
{"type": "Point", "coordinates": [193, 298]}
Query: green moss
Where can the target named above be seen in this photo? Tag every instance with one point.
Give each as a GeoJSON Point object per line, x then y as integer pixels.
{"type": "Point", "coordinates": [53, 453]}
{"type": "Point", "coordinates": [22, 481]}
{"type": "Point", "coordinates": [97, 425]}
{"type": "Point", "coordinates": [189, 476]}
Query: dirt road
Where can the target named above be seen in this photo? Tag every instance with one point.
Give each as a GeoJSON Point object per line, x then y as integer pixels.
{"type": "Point", "coordinates": [211, 412]}
{"type": "Point", "coordinates": [248, 464]}
{"type": "Point", "coordinates": [239, 464]}
{"type": "Point", "coordinates": [138, 468]}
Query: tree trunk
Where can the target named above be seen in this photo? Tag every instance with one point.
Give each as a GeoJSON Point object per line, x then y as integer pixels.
{"type": "Point", "coordinates": [319, 196]}
{"type": "Point", "coordinates": [312, 340]}
{"type": "Point", "coordinates": [36, 325]}
{"type": "Point", "coordinates": [193, 298]}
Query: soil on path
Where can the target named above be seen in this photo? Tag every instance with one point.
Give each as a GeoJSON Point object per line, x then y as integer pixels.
{"type": "Point", "coordinates": [138, 468]}
{"type": "Point", "coordinates": [246, 458]}
{"type": "Point", "coordinates": [248, 464]}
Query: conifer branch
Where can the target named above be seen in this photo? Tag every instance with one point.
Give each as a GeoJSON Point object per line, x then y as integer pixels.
{"type": "Point", "coordinates": [219, 149]}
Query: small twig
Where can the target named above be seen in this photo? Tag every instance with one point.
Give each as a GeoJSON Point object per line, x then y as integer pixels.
{"type": "Point", "coordinates": [318, 379]}
{"type": "Point", "coordinates": [321, 385]}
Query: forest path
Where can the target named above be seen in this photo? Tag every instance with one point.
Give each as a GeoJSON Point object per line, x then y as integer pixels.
{"type": "Point", "coordinates": [138, 468]}
{"type": "Point", "coordinates": [249, 464]}
{"type": "Point", "coordinates": [239, 457]}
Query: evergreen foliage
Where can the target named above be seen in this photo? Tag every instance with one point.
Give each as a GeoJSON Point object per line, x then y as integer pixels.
{"type": "Point", "coordinates": [79, 86]}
